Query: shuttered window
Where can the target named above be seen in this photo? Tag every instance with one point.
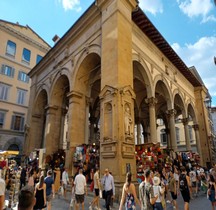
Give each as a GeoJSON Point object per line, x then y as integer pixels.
{"type": "Point", "coordinates": [2, 117]}
{"type": "Point", "coordinates": [7, 70]}
{"type": "Point", "coordinates": [22, 76]}
{"type": "Point", "coordinates": [21, 96]}
{"type": "Point", "coordinates": [17, 123]}
{"type": "Point", "coordinates": [4, 91]}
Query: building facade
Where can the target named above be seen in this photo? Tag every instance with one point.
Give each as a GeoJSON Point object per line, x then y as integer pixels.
{"type": "Point", "coordinates": [113, 75]}
{"type": "Point", "coordinates": [20, 50]}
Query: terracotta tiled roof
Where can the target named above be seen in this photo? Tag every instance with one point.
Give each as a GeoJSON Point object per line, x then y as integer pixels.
{"type": "Point", "coordinates": [154, 35]}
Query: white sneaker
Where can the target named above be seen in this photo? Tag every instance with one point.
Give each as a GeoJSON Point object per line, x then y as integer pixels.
{"type": "Point", "coordinates": [90, 207]}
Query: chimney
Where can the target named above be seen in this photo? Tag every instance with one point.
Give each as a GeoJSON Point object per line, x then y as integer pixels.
{"type": "Point", "coordinates": [55, 38]}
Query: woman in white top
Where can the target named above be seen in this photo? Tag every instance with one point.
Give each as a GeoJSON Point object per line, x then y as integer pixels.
{"type": "Point", "coordinates": [158, 190]}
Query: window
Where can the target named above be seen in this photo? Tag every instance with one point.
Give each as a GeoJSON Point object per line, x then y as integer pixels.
{"type": "Point", "coordinates": [26, 55]}
{"type": "Point", "coordinates": [163, 136]}
{"type": "Point", "coordinates": [21, 96]}
{"type": "Point", "coordinates": [2, 117]}
{"type": "Point", "coordinates": [39, 57]}
{"type": "Point", "coordinates": [7, 70]}
{"type": "Point", "coordinates": [17, 123]}
{"type": "Point", "coordinates": [4, 91]}
{"type": "Point", "coordinates": [22, 76]}
{"type": "Point", "coordinates": [190, 130]}
{"type": "Point", "coordinates": [177, 130]}
{"type": "Point", "coordinates": [11, 48]}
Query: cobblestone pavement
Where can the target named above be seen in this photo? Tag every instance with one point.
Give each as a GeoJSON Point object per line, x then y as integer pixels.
{"type": "Point", "coordinates": [199, 203]}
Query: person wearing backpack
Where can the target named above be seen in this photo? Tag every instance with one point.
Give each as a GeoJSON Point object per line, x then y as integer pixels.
{"type": "Point", "coordinates": [184, 187]}
{"type": "Point", "coordinates": [146, 193]}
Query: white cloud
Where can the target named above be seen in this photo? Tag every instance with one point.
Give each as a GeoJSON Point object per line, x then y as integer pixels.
{"type": "Point", "coordinates": [201, 55]}
{"type": "Point", "coordinates": [152, 6]}
{"type": "Point", "coordinates": [71, 5]}
{"type": "Point", "coordinates": [196, 8]}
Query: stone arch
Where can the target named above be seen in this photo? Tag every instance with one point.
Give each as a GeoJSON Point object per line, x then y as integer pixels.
{"type": "Point", "coordinates": [14, 141]}
{"type": "Point", "coordinates": [61, 74]}
{"type": "Point", "coordinates": [161, 88]}
{"type": "Point", "coordinates": [38, 120]}
{"type": "Point", "coordinates": [144, 73]}
{"type": "Point", "coordinates": [179, 104]}
{"type": "Point", "coordinates": [191, 112]}
{"type": "Point", "coordinates": [87, 63]}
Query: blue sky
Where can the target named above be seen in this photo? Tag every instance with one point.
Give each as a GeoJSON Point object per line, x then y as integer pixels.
{"type": "Point", "coordinates": [189, 26]}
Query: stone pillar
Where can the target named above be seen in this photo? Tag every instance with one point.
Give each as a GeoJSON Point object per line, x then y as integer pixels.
{"type": "Point", "coordinates": [76, 126]}
{"type": "Point", "coordinates": [52, 130]}
{"type": "Point", "coordinates": [153, 128]}
{"type": "Point", "coordinates": [171, 116]}
{"type": "Point", "coordinates": [92, 130]}
{"type": "Point", "coordinates": [87, 121]}
{"type": "Point", "coordinates": [196, 130]}
{"type": "Point", "coordinates": [117, 105]}
{"type": "Point", "coordinates": [117, 133]}
{"type": "Point", "coordinates": [186, 131]}
{"type": "Point", "coordinates": [138, 130]}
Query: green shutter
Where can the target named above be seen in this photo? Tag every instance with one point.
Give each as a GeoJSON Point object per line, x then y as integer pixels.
{"type": "Point", "coordinates": [2, 69]}
{"type": "Point", "coordinates": [12, 122]}
{"type": "Point", "coordinates": [12, 73]}
{"type": "Point", "coordinates": [22, 124]}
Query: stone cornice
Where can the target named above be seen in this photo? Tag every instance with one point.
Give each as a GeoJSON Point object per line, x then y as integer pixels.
{"type": "Point", "coordinates": [20, 35]}
{"type": "Point", "coordinates": [72, 34]}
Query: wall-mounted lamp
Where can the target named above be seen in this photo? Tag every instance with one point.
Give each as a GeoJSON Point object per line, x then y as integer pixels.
{"type": "Point", "coordinates": [207, 102]}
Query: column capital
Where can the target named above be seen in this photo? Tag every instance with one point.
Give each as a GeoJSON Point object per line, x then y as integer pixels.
{"type": "Point", "coordinates": [171, 113]}
{"type": "Point", "coordinates": [185, 121]}
{"type": "Point", "coordinates": [74, 95]}
{"type": "Point", "coordinates": [195, 127]}
{"type": "Point", "coordinates": [151, 101]}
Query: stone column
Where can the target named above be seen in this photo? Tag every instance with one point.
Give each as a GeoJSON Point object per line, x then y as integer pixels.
{"type": "Point", "coordinates": [92, 130]}
{"type": "Point", "coordinates": [196, 130]}
{"type": "Point", "coordinates": [171, 116]}
{"type": "Point", "coordinates": [76, 126]}
{"type": "Point", "coordinates": [52, 130]}
{"type": "Point", "coordinates": [153, 128]}
{"type": "Point", "coordinates": [138, 130]}
{"type": "Point", "coordinates": [186, 131]}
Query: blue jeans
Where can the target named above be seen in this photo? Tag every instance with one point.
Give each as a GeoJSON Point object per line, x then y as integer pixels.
{"type": "Point", "coordinates": [158, 206]}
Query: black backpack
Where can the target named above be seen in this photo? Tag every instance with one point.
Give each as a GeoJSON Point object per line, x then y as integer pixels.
{"type": "Point", "coordinates": [183, 182]}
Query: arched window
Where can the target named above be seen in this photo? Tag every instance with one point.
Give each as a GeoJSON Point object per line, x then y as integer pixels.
{"type": "Point", "coordinates": [13, 147]}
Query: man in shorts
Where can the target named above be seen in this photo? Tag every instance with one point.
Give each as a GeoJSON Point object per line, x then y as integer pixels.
{"type": "Point", "coordinates": [50, 190]}
{"type": "Point", "coordinates": [80, 189]}
{"type": "Point", "coordinates": [95, 201]}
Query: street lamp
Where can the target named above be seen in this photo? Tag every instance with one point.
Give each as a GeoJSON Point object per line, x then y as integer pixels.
{"type": "Point", "coordinates": [207, 102]}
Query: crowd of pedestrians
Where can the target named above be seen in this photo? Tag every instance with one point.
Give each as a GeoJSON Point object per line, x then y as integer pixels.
{"type": "Point", "coordinates": [160, 186]}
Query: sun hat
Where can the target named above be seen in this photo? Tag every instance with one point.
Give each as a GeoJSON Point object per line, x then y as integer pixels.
{"type": "Point", "coordinates": [201, 170]}
{"type": "Point", "coordinates": [156, 180]}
